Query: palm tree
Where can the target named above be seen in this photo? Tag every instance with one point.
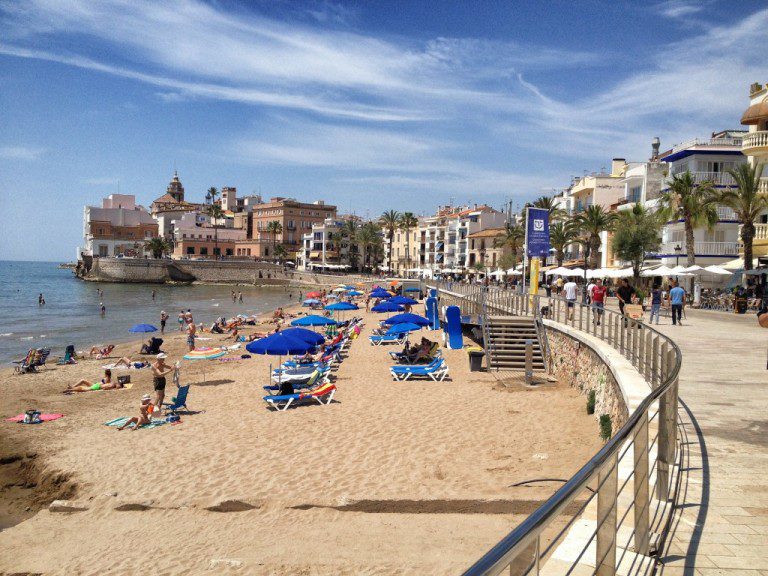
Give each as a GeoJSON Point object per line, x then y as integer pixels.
{"type": "Point", "coordinates": [280, 252]}
{"type": "Point", "coordinates": [215, 212]}
{"type": "Point", "coordinates": [512, 238]}
{"type": "Point", "coordinates": [366, 238]}
{"type": "Point", "coordinates": [408, 221]}
{"type": "Point", "coordinates": [693, 203]}
{"type": "Point", "coordinates": [747, 201]}
{"type": "Point", "coordinates": [390, 221]}
{"type": "Point", "coordinates": [334, 243]}
{"type": "Point", "coordinates": [274, 228]}
{"type": "Point", "coordinates": [158, 246]}
{"type": "Point", "coordinates": [561, 234]}
{"type": "Point", "coordinates": [548, 203]}
{"type": "Point", "coordinates": [592, 222]}
{"type": "Point", "coordinates": [211, 195]}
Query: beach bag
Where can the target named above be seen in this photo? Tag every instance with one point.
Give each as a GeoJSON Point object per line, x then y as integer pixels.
{"type": "Point", "coordinates": [123, 380]}
{"type": "Point", "coordinates": [31, 417]}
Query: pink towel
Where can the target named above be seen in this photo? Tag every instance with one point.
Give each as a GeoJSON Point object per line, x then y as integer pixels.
{"type": "Point", "coordinates": [43, 417]}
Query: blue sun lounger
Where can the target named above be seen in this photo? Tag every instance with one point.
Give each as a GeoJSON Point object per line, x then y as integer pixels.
{"type": "Point", "coordinates": [323, 395]}
{"type": "Point", "coordinates": [436, 370]}
{"type": "Point", "coordinates": [378, 340]}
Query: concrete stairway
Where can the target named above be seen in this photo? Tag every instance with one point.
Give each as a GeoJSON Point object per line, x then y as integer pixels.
{"type": "Point", "coordinates": [506, 337]}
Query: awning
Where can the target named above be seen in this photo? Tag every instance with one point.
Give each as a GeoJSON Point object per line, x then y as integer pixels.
{"type": "Point", "coordinates": [738, 264]}
{"type": "Point", "coordinates": [755, 113]}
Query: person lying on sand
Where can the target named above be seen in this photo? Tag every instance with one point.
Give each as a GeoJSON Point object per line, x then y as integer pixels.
{"type": "Point", "coordinates": [101, 352]}
{"type": "Point", "coordinates": [143, 418]}
{"type": "Point", "coordinates": [233, 336]}
{"type": "Point", "coordinates": [85, 386]}
{"type": "Point", "coordinates": [128, 363]}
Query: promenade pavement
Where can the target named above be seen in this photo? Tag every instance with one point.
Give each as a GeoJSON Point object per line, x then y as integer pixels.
{"type": "Point", "coordinates": [721, 524]}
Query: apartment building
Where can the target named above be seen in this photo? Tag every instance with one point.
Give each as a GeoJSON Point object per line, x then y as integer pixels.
{"type": "Point", "coordinates": [754, 145]}
{"type": "Point", "coordinates": [119, 227]}
{"type": "Point", "coordinates": [196, 237]}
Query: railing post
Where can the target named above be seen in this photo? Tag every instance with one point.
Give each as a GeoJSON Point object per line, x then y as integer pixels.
{"type": "Point", "coordinates": [641, 482]}
{"type": "Point", "coordinates": [667, 420]}
{"type": "Point", "coordinates": [622, 332]}
{"type": "Point", "coordinates": [655, 376]}
{"type": "Point", "coordinates": [635, 357]}
{"type": "Point", "coordinates": [608, 479]}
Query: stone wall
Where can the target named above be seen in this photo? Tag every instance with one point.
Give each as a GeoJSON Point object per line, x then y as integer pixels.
{"type": "Point", "coordinates": [575, 363]}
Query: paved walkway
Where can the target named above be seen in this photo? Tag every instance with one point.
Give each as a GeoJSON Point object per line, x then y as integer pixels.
{"type": "Point", "coordinates": [721, 526]}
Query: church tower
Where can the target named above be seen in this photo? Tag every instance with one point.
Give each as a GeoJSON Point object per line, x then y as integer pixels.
{"type": "Point", "coordinates": [175, 189]}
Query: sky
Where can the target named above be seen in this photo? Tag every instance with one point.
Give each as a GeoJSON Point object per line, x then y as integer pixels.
{"type": "Point", "coordinates": [374, 105]}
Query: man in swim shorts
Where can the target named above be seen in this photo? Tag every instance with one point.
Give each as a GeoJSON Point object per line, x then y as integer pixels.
{"type": "Point", "coordinates": [159, 371]}
{"type": "Point", "coordinates": [191, 331]}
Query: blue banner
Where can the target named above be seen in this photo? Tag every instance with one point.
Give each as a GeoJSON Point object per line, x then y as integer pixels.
{"type": "Point", "coordinates": [537, 233]}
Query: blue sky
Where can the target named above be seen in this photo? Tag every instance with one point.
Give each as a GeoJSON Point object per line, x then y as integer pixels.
{"type": "Point", "coordinates": [371, 105]}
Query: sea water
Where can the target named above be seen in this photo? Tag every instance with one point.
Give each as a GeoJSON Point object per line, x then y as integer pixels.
{"type": "Point", "coordinates": [72, 310]}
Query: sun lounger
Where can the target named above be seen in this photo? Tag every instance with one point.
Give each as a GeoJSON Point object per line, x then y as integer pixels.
{"type": "Point", "coordinates": [377, 340]}
{"type": "Point", "coordinates": [179, 401]}
{"type": "Point", "coordinates": [154, 346]}
{"type": "Point", "coordinates": [34, 359]}
{"type": "Point", "coordinates": [436, 370]}
{"type": "Point", "coordinates": [316, 378]}
{"type": "Point", "coordinates": [299, 377]}
{"type": "Point", "coordinates": [69, 356]}
{"type": "Point", "coordinates": [323, 395]}
{"type": "Point", "coordinates": [417, 358]}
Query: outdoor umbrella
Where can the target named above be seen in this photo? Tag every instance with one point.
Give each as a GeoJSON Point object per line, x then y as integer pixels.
{"type": "Point", "coordinates": [204, 354]}
{"type": "Point", "coordinates": [411, 318]}
{"type": "Point", "coordinates": [403, 300]}
{"type": "Point", "coordinates": [304, 334]}
{"type": "Point", "coordinates": [340, 306]}
{"type": "Point", "coordinates": [278, 344]}
{"type": "Point", "coordinates": [403, 328]}
{"type": "Point", "coordinates": [313, 294]}
{"type": "Point", "coordinates": [412, 289]}
{"type": "Point", "coordinates": [143, 328]}
{"type": "Point", "coordinates": [313, 320]}
{"type": "Point", "coordinates": [311, 301]}
{"type": "Point", "coordinates": [355, 293]}
{"type": "Point", "coordinates": [380, 294]}
{"type": "Point", "coordinates": [387, 307]}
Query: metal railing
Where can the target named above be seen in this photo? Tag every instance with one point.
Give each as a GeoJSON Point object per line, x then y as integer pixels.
{"type": "Point", "coordinates": [644, 499]}
{"type": "Point", "coordinates": [707, 142]}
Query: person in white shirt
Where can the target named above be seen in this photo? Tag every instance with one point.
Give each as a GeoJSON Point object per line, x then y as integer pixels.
{"type": "Point", "coordinates": [570, 290]}
{"type": "Point", "coordinates": [589, 291]}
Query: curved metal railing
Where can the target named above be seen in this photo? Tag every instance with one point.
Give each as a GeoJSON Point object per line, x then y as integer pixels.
{"type": "Point", "coordinates": [658, 359]}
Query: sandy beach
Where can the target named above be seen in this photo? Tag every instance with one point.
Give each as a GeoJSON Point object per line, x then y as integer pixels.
{"type": "Point", "coordinates": [413, 477]}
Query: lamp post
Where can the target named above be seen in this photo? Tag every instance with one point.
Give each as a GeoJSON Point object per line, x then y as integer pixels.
{"type": "Point", "coordinates": [678, 249]}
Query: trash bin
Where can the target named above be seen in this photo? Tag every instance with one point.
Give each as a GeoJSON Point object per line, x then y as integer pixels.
{"type": "Point", "coordinates": [475, 359]}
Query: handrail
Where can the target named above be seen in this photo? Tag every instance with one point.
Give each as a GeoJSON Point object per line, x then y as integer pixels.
{"type": "Point", "coordinates": [665, 359]}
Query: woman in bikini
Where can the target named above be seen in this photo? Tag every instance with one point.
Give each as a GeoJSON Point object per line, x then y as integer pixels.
{"type": "Point", "coordinates": [86, 386]}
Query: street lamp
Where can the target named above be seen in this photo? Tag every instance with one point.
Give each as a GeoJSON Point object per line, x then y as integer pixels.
{"type": "Point", "coordinates": [678, 249]}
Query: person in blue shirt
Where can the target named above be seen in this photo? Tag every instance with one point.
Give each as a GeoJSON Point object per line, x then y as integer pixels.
{"type": "Point", "coordinates": [677, 300]}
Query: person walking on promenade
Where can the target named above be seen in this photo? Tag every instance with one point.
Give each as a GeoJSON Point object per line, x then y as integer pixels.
{"type": "Point", "coordinates": [677, 300]}
{"type": "Point", "coordinates": [570, 290]}
{"type": "Point", "coordinates": [163, 320]}
{"type": "Point", "coordinates": [597, 298]}
{"type": "Point", "coordinates": [655, 303]}
{"type": "Point", "coordinates": [624, 293]}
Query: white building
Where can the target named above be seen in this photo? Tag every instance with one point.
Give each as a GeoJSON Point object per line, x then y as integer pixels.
{"type": "Point", "coordinates": [323, 247]}
{"type": "Point", "coordinates": [119, 227]}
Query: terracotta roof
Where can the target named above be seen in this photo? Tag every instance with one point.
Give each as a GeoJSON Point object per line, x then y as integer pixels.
{"type": "Point", "coordinates": [755, 113]}
{"type": "Point", "coordinates": [481, 208]}
{"type": "Point", "coordinates": [166, 199]}
{"type": "Point", "coordinates": [487, 233]}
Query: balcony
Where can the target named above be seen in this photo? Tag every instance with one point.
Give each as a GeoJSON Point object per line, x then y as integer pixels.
{"type": "Point", "coordinates": [763, 186]}
{"type": "Point", "coordinates": [755, 143]}
{"type": "Point", "coordinates": [702, 249]}
{"type": "Point", "coordinates": [716, 178]}
{"type": "Point", "coordinates": [696, 142]}
{"type": "Point", "coordinates": [725, 213]}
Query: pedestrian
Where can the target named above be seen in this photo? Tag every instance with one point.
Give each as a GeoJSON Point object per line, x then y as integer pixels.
{"type": "Point", "coordinates": [163, 320]}
{"type": "Point", "coordinates": [570, 289]}
{"type": "Point", "coordinates": [159, 371]}
{"type": "Point", "coordinates": [40, 299]}
{"type": "Point", "coordinates": [103, 308]}
{"type": "Point", "coordinates": [590, 286]}
{"type": "Point", "coordinates": [624, 293]}
{"type": "Point", "coordinates": [188, 316]}
{"type": "Point", "coordinates": [233, 296]}
{"type": "Point", "coordinates": [191, 331]}
{"type": "Point", "coordinates": [597, 297]}
{"type": "Point", "coordinates": [655, 303]}
{"type": "Point", "coordinates": [677, 300]}
{"type": "Point", "coordinates": [240, 297]}
{"type": "Point", "coordinates": [181, 321]}
{"type": "Point", "coordinates": [153, 295]}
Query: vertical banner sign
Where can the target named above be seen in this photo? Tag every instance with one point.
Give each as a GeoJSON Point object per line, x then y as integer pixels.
{"type": "Point", "coordinates": [537, 233]}
{"type": "Point", "coordinates": [534, 267]}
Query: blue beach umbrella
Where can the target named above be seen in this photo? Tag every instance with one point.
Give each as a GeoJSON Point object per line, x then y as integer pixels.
{"type": "Point", "coordinates": [313, 320]}
{"type": "Point", "coordinates": [278, 344]}
{"type": "Point", "coordinates": [411, 318]}
{"type": "Point", "coordinates": [412, 289]}
{"type": "Point", "coordinates": [311, 301]}
{"type": "Point", "coordinates": [143, 328]}
{"type": "Point", "coordinates": [403, 300]}
{"type": "Point", "coordinates": [379, 293]}
{"type": "Point", "coordinates": [355, 293]}
{"type": "Point", "coordinates": [341, 306]}
{"type": "Point", "coordinates": [304, 334]}
{"type": "Point", "coordinates": [403, 328]}
{"type": "Point", "coordinates": [387, 307]}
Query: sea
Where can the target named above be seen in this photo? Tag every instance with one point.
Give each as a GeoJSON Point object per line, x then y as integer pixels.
{"type": "Point", "coordinates": [72, 310]}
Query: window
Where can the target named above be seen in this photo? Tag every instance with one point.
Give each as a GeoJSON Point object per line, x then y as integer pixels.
{"type": "Point", "coordinates": [103, 250]}
{"type": "Point", "coordinates": [634, 194]}
{"type": "Point", "coordinates": [203, 251]}
{"type": "Point", "coordinates": [229, 251]}
{"type": "Point", "coordinates": [190, 249]}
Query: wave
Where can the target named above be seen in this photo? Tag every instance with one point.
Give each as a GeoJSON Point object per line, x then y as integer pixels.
{"type": "Point", "coordinates": [27, 338]}
{"type": "Point", "coordinates": [6, 334]}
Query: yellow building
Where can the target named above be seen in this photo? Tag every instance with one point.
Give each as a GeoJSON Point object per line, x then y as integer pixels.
{"type": "Point", "coordinates": [402, 245]}
{"type": "Point", "coordinates": [755, 147]}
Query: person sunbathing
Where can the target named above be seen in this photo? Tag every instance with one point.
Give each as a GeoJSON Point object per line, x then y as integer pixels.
{"type": "Point", "coordinates": [101, 352]}
{"type": "Point", "coordinates": [86, 386]}
{"type": "Point", "coordinates": [234, 336]}
{"type": "Point", "coordinates": [143, 418]}
{"type": "Point", "coordinates": [128, 363]}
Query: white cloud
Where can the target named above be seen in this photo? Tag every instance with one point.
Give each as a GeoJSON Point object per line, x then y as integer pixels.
{"type": "Point", "coordinates": [20, 153]}
{"type": "Point", "coordinates": [679, 8]}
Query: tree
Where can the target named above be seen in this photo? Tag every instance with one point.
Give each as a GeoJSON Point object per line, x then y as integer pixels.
{"type": "Point", "coordinates": [637, 232]}
{"type": "Point", "coordinates": [390, 221]}
{"type": "Point", "coordinates": [157, 246]}
{"type": "Point", "coordinates": [349, 231]}
{"type": "Point", "coordinates": [548, 203]}
{"type": "Point", "coordinates": [334, 244]}
{"type": "Point", "coordinates": [747, 201]}
{"type": "Point", "coordinates": [561, 234]}
{"type": "Point", "coordinates": [274, 228]}
{"type": "Point", "coordinates": [280, 252]}
{"type": "Point", "coordinates": [507, 261]}
{"type": "Point", "coordinates": [692, 203]}
{"type": "Point", "coordinates": [367, 237]}
{"type": "Point", "coordinates": [592, 222]}
{"type": "Point", "coordinates": [512, 238]}
{"type": "Point", "coordinates": [215, 212]}
{"type": "Point", "coordinates": [408, 221]}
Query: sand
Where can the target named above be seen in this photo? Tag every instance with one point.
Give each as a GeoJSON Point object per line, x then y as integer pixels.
{"type": "Point", "coordinates": [392, 478]}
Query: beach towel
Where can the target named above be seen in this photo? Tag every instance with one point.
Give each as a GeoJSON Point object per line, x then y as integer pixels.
{"type": "Point", "coordinates": [122, 420]}
{"type": "Point", "coordinates": [122, 367]}
{"type": "Point", "coordinates": [43, 418]}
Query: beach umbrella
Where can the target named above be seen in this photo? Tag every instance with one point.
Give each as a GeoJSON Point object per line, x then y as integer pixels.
{"type": "Point", "coordinates": [311, 301]}
{"type": "Point", "coordinates": [387, 307]}
{"type": "Point", "coordinates": [410, 318]}
{"type": "Point", "coordinates": [718, 270]}
{"type": "Point", "coordinates": [278, 344]}
{"type": "Point", "coordinates": [341, 306]}
{"type": "Point", "coordinates": [204, 354]}
{"type": "Point", "coordinates": [379, 293]}
{"type": "Point", "coordinates": [314, 294]}
{"type": "Point", "coordinates": [355, 293]}
{"type": "Point", "coordinates": [403, 328]}
{"type": "Point", "coordinates": [403, 300]}
{"type": "Point", "coordinates": [412, 289]}
{"type": "Point", "coordinates": [339, 289]}
{"type": "Point", "coordinates": [313, 320]}
{"type": "Point", "coordinates": [143, 328]}
{"type": "Point", "coordinates": [304, 334]}
{"type": "Point", "coordinates": [348, 287]}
